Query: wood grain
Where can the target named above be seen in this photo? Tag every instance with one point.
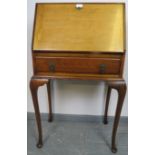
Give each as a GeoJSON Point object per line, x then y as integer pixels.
{"type": "Point", "coordinates": [71, 76]}
{"type": "Point", "coordinates": [34, 85]}
{"type": "Point", "coordinates": [121, 87]}
{"type": "Point", "coordinates": [83, 44]}
{"type": "Point", "coordinates": [95, 27]}
{"type": "Point", "coordinates": [78, 65]}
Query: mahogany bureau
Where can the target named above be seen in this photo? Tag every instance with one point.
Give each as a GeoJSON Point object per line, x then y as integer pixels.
{"type": "Point", "coordinates": [79, 41]}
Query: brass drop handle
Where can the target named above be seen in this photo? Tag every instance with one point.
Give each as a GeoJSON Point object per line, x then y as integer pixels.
{"type": "Point", "coordinates": [102, 68]}
{"type": "Point", "coordinates": [51, 67]}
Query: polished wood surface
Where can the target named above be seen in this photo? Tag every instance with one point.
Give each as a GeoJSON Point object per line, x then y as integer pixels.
{"type": "Point", "coordinates": [34, 85]}
{"type": "Point", "coordinates": [120, 87]}
{"type": "Point", "coordinates": [94, 27]}
{"type": "Point", "coordinates": [84, 44]}
{"type": "Point", "coordinates": [71, 76]}
{"type": "Point", "coordinates": [105, 119]}
{"type": "Point", "coordinates": [78, 65]}
{"type": "Point", "coordinates": [50, 116]}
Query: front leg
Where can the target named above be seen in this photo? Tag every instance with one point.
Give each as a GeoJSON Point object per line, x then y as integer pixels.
{"type": "Point", "coordinates": [120, 86]}
{"type": "Point", "coordinates": [35, 83]}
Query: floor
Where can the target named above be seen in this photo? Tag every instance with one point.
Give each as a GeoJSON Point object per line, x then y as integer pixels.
{"type": "Point", "coordinates": [76, 138]}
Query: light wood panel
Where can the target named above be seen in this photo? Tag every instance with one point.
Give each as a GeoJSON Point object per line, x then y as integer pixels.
{"type": "Point", "coordinates": [95, 27]}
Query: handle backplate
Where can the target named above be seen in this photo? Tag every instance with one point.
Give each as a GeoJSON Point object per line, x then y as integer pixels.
{"type": "Point", "coordinates": [51, 67]}
{"type": "Point", "coordinates": [102, 68]}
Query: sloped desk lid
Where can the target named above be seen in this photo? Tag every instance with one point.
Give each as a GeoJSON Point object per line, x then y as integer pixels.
{"type": "Point", "coordinates": [92, 27]}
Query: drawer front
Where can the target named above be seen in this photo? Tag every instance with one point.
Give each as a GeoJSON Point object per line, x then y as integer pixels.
{"type": "Point", "coordinates": [77, 65]}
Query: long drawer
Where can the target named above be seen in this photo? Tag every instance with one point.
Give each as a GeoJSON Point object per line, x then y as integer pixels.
{"type": "Point", "coordinates": [76, 64]}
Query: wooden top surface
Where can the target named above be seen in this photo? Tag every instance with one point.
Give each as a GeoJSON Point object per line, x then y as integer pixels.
{"type": "Point", "coordinates": [94, 27]}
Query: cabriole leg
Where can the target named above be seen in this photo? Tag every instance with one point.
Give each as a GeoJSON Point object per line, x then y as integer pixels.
{"type": "Point", "coordinates": [35, 83]}
{"type": "Point", "coordinates": [120, 86]}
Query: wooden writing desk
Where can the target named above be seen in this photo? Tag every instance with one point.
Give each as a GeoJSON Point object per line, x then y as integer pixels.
{"type": "Point", "coordinates": [79, 41]}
